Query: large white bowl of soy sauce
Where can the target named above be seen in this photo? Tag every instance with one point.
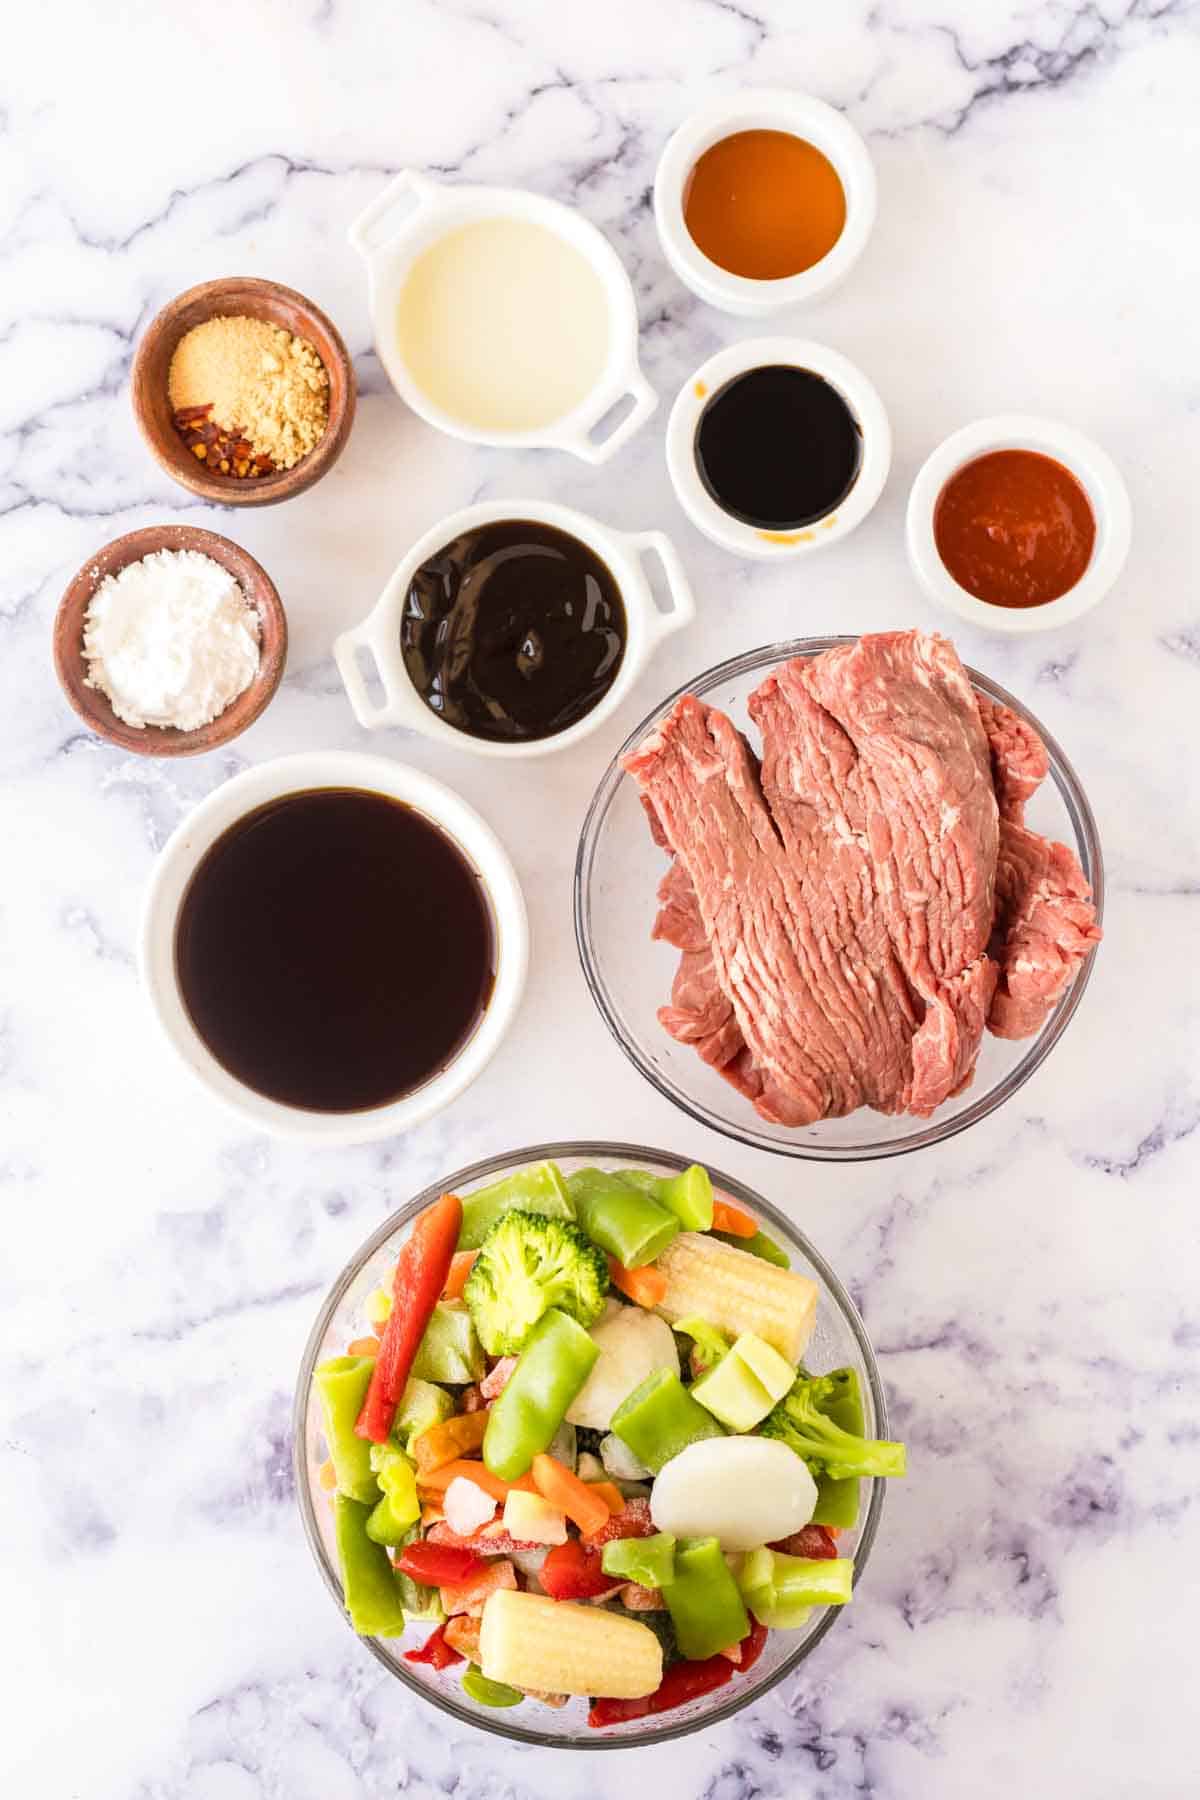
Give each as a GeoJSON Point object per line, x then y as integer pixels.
{"type": "Point", "coordinates": [335, 945]}
{"type": "Point", "coordinates": [513, 628]}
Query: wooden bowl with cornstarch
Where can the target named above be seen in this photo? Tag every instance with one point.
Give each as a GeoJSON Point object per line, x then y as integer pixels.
{"type": "Point", "coordinates": [239, 297]}
{"type": "Point", "coordinates": [95, 707]}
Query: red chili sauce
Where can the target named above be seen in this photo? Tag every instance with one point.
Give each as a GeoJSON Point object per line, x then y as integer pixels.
{"type": "Point", "coordinates": [1014, 528]}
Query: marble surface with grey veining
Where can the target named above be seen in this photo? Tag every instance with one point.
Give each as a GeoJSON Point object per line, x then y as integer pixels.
{"type": "Point", "coordinates": [1029, 1621]}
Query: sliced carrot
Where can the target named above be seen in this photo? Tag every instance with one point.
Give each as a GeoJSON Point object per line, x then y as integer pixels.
{"type": "Point", "coordinates": [462, 1634]}
{"type": "Point", "coordinates": [436, 1481]}
{"type": "Point", "coordinates": [363, 1347]}
{"type": "Point", "coordinates": [611, 1495]}
{"type": "Point", "coordinates": [460, 1268]}
{"type": "Point", "coordinates": [327, 1476]}
{"type": "Point", "coordinates": [581, 1503]}
{"type": "Point", "coordinates": [647, 1285]}
{"type": "Point", "coordinates": [443, 1443]}
{"type": "Point", "coordinates": [732, 1220]}
{"type": "Point", "coordinates": [469, 1596]}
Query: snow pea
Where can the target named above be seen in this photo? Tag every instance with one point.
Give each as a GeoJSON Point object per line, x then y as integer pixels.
{"type": "Point", "coordinates": [706, 1608]}
{"type": "Point", "coordinates": [540, 1189]}
{"type": "Point", "coordinates": [660, 1418]}
{"type": "Point", "coordinates": [489, 1693]}
{"type": "Point", "coordinates": [630, 1225]}
{"type": "Point", "coordinates": [838, 1500]}
{"type": "Point", "coordinates": [557, 1359]}
{"type": "Point", "coordinates": [650, 1560]}
{"type": "Point", "coordinates": [341, 1385]}
{"type": "Point", "coordinates": [372, 1597]}
{"type": "Point", "coordinates": [688, 1195]}
{"type": "Point", "coordinates": [758, 1245]}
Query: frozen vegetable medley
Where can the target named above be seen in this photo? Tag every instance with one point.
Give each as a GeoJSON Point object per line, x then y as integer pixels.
{"type": "Point", "coordinates": [581, 1442]}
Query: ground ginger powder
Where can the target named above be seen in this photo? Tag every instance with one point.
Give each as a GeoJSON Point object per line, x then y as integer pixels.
{"type": "Point", "coordinates": [259, 380]}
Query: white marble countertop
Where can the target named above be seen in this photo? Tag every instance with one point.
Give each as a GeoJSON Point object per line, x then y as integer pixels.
{"type": "Point", "coordinates": [1028, 1621]}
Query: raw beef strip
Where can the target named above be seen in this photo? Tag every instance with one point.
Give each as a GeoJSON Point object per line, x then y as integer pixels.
{"type": "Point", "coordinates": [703, 783]}
{"type": "Point", "coordinates": [931, 825]}
{"type": "Point", "coordinates": [1045, 921]}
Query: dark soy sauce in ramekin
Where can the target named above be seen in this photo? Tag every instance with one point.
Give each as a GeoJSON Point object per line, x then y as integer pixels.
{"type": "Point", "coordinates": [778, 448]}
{"type": "Point", "coordinates": [334, 950]}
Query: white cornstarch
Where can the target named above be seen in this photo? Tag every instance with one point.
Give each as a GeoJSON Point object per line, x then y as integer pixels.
{"type": "Point", "coordinates": [171, 640]}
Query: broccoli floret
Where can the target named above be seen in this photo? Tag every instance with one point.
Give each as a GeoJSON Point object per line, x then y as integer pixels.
{"type": "Point", "coordinates": [526, 1264]}
{"type": "Point", "coordinates": [800, 1420]}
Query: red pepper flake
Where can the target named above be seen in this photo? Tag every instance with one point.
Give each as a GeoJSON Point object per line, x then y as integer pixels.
{"type": "Point", "coordinates": [223, 452]}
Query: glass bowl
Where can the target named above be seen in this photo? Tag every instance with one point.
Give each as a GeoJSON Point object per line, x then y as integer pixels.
{"type": "Point", "coordinates": [838, 1341]}
{"type": "Point", "coordinates": [617, 872]}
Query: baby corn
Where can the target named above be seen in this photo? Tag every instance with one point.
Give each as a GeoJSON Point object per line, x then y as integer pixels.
{"type": "Point", "coordinates": [529, 1641]}
{"type": "Point", "coordinates": [737, 1292]}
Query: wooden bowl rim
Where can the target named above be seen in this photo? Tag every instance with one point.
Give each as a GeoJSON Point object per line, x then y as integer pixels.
{"type": "Point", "coordinates": [94, 707]}
{"type": "Point", "coordinates": [222, 296]}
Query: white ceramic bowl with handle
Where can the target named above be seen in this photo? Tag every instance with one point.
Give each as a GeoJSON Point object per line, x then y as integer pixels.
{"type": "Point", "coordinates": [763, 109]}
{"type": "Point", "coordinates": [413, 213]}
{"type": "Point", "coordinates": [623, 552]}
{"type": "Point", "coordinates": [190, 842]}
{"type": "Point", "coordinates": [1092, 468]}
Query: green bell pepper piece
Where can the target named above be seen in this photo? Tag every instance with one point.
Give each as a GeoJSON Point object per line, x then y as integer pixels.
{"type": "Point", "coordinates": [649, 1560]}
{"type": "Point", "coordinates": [782, 1590]}
{"type": "Point", "coordinates": [489, 1693]}
{"type": "Point", "coordinates": [660, 1418]}
{"type": "Point", "coordinates": [369, 1587]}
{"type": "Point", "coordinates": [706, 1608]}
{"type": "Point", "coordinates": [449, 1350]}
{"type": "Point", "coordinates": [746, 1383]}
{"type": "Point", "coordinates": [341, 1385]}
{"type": "Point", "coordinates": [630, 1225]}
{"type": "Point", "coordinates": [540, 1189]}
{"type": "Point", "coordinates": [688, 1195]}
{"type": "Point", "coordinates": [758, 1245]}
{"type": "Point", "coordinates": [557, 1359]}
{"type": "Point", "coordinates": [838, 1500]}
{"type": "Point", "coordinates": [399, 1509]}
{"type": "Point", "coordinates": [422, 1405]}
{"type": "Point", "coordinates": [419, 1603]}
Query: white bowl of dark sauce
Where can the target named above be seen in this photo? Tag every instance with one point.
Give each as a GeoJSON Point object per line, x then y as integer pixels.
{"type": "Point", "coordinates": [513, 628]}
{"type": "Point", "coordinates": [777, 447]}
{"type": "Point", "coordinates": [335, 945]}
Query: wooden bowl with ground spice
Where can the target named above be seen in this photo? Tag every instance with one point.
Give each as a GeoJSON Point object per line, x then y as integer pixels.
{"type": "Point", "coordinates": [175, 595]}
{"type": "Point", "coordinates": [251, 348]}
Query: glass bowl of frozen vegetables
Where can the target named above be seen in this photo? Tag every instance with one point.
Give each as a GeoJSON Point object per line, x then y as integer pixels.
{"type": "Point", "coordinates": [590, 1445]}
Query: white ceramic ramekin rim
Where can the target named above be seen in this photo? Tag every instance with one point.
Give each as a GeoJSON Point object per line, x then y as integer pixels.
{"type": "Point", "coordinates": [647, 625]}
{"type": "Point", "coordinates": [755, 353]}
{"type": "Point", "coordinates": [268, 781]}
{"type": "Point", "coordinates": [1091, 466]}
{"type": "Point", "coordinates": [412, 213]}
{"type": "Point", "coordinates": [763, 109]}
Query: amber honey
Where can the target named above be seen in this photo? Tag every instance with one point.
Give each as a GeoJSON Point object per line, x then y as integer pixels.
{"type": "Point", "coordinates": [764, 204]}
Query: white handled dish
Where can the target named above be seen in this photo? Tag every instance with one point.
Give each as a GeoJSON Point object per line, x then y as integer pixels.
{"type": "Point", "coordinates": [411, 216]}
{"type": "Point", "coordinates": [255, 787]}
{"type": "Point", "coordinates": [378, 637]}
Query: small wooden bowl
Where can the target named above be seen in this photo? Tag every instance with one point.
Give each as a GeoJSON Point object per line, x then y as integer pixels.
{"type": "Point", "coordinates": [247, 297]}
{"type": "Point", "coordinates": [95, 708]}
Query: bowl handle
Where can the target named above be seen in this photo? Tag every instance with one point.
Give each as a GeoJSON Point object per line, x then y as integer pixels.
{"type": "Point", "coordinates": [683, 605]}
{"type": "Point", "coordinates": [395, 209]}
{"type": "Point", "coordinates": [578, 440]}
{"type": "Point", "coordinates": [401, 706]}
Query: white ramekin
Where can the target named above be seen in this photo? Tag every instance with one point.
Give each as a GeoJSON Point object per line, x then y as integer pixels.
{"type": "Point", "coordinates": [708, 380]}
{"type": "Point", "coordinates": [621, 551]}
{"type": "Point", "coordinates": [411, 214]}
{"type": "Point", "coordinates": [1091, 466]}
{"type": "Point", "coordinates": [177, 864]}
{"type": "Point", "coordinates": [763, 109]}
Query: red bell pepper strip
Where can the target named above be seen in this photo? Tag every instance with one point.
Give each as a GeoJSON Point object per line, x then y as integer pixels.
{"type": "Point", "coordinates": [570, 1572]}
{"type": "Point", "coordinates": [434, 1650]}
{"type": "Point", "coordinates": [682, 1682]}
{"type": "Point", "coordinates": [814, 1542]}
{"type": "Point", "coordinates": [420, 1277]}
{"type": "Point", "coordinates": [633, 1522]}
{"type": "Point", "coordinates": [439, 1565]}
{"type": "Point", "coordinates": [752, 1647]}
